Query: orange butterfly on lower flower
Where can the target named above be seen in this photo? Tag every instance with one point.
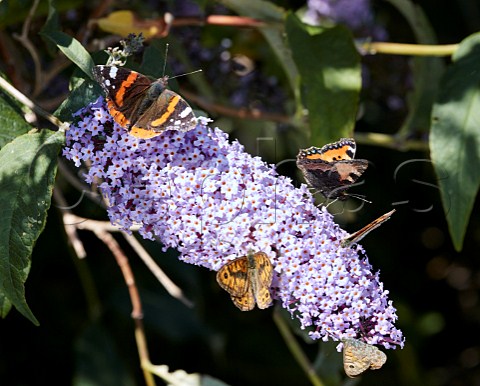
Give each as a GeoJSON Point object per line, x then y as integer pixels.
{"type": "Point", "coordinates": [247, 279]}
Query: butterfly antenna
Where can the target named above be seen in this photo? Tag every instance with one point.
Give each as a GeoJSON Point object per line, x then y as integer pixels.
{"type": "Point", "coordinates": [187, 73]}
{"type": "Point", "coordinates": [359, 197]}
{"type": "Point", "coordinates": [165, 66]}
{"type": "Point", "coordinates": [165, 61]}
{"type": "Point", "coordinates": [331, 202]}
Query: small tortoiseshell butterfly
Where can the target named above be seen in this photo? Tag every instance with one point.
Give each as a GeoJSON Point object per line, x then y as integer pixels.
{"type": "Point", "coordinates": [332, 169]}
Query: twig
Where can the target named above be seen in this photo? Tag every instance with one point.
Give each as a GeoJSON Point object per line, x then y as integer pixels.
{"type": "Point", "coordinates": [71, 231]}
{"type": "Point", "coordinates": [390, 141]}
{"type": "Point", "coordinates": [137, 313]}
{"type": "Point", "coordinates": [105, 226]}
{"type": "Point", "coordinates": [27, 102]}
{"type": "Point", "coordinates": [80, 186]}
{"type": "Point", "coordinates": [242, 113]}
{"type": "Point", "coordinates": [169, 285]}
{"type": "Point", "coordinates": [295, 349]}
{"type": "Point", "coordinates": [23, 39]}
{"type": "Point", "coordinates": [224, 20]}
{"type": "Point", "coordinates": [407, 49]}
{"type": "Point", "coordinates": [102, 230]}
{"type": "Point", "coordinates": [92, 225]}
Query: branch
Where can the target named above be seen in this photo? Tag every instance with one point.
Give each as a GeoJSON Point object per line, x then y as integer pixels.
{"type": "Point", "coordinates": [295, 349]}
{"type": "Point", "coordinates": [27, 102]}
{"type": "Point", "coordinates": [71, 232]}
{"type": "Point", "coordinates": [30, 47]}
{"type": "Point", "coordinates": [373, 48]}
{"type": "Point", "coordinates": [223, 20]}
{"type": "Point", "coordinates": [137, 312]}
{"type": "Point", "coordinates": [241, 113]}
{"type": "Point", "coordinates": [169, 285]}
{"type": "Point", "coordinates": [390, 141]}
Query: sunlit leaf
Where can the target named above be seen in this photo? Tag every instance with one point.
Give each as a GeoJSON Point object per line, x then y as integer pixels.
{"type": "Point", "coordinates": [124, 22]}
{"type": "Point", "coordinates": [5, 306]}
{"type": "Point", "coordinates": [455, 137]}
{"type": "Point", "coordinates": [330, 78]}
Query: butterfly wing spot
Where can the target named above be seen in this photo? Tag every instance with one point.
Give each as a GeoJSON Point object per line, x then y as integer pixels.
{"type": "Point", "coordinates": [245, 302]}
{"type": "Point", "coordinates": [264, 298]}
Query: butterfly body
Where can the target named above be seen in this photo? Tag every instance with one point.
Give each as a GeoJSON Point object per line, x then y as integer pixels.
{"type": "Point", "coordinates": [332, 169]}
{"type": "Point", "coordinates": [247, 279]}
{"type": "Point", "coordinates": [359, 356]}
{"type": "Point", "coordinates": [145, 108]}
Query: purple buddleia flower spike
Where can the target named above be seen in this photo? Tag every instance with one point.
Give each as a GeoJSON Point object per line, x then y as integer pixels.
{"type": "Point", "coordinates": [212, 201]}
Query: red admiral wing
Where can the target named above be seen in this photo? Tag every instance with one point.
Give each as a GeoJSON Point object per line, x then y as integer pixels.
{"type": "Point", "coordinates": [358, 235]}
{"type": "Point", "coordinates": [143, 107]}
{"type": "Point", "coordinates": [331, 170]}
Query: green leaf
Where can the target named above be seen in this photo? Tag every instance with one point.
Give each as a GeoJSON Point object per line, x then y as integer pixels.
{"type": "Point", "coordinates": [52, 23]}
{"type": "Point", "coordinates": [70, 46]}
{"type": "Point", "coordinates": [152, 56]}
{"type": "Point", "coordinates": [455, 137]}
{"type": "Point", "coordinates": [83, 92]}
{"type": "Point", "coordinates": [330, 74]}
{"type": "Point", "coordinates": [5, 306]}
{"type": "Point", "coordinates": [12, 123]}
{"type": "Point", "coordinates": [28, 167]}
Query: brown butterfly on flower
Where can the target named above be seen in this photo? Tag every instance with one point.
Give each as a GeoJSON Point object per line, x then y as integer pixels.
{"type": "Point", "coordinates": [247, 279]}
{"type": "Point", "coordinates": [359, 356]}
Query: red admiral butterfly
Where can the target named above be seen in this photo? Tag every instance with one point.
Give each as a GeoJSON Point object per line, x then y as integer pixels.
{"type": "Point", "coordinates": [145, 108]}
{"type": "Point", "coordinates": [331, 169]}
